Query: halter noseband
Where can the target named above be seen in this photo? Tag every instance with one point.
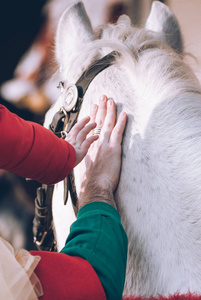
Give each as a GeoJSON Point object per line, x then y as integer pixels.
{"type": "Point", "coordinates": [61, 124]}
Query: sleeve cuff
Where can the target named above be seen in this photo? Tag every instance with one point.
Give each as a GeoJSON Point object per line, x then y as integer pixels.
{"type": "Point", "coordinates": [98, 208]}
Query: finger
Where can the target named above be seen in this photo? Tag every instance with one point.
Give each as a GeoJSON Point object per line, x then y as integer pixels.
{"type": "Point", "coordinates": [81, 153]}
{"type": "Point", "coordinates": [117, 133]}
{"type": "Point", "coordinates": [81, 137]}
{"type": "Point", "coordinates": [101, 113]}
{"type": "Point", "coordinates": [93, 113]}
{"type": "Point", "coordinates": [87, 143]}
{"type": "Point", "coordinates": [79, 126]}
{"type": "Point", "coordinates": [109, 120]}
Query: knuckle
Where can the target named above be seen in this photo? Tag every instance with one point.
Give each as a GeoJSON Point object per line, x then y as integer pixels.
{"type": "Point", "coordinates": [109, 124]}
{"type": "Point", "coordinates": [118, 131]}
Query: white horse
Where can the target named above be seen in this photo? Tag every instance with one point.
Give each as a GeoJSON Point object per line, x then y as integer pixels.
{"type": "Point", "coordinates": [159, 193]}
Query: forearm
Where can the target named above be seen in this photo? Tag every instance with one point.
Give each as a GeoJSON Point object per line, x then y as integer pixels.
{"type": "Point", "coordinates": [30, 150]}
{"type": "Point", "coordinates": [98, 236]}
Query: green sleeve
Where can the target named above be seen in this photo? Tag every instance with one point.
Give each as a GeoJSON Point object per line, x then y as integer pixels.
{"type": "Point", "coordinates": [99, 237]}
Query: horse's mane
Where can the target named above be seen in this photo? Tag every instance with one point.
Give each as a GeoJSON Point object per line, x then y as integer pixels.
{"type": "Point", "coordinates": [165, 70]}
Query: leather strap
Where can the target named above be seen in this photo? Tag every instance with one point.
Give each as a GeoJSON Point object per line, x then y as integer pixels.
{"type": "Point", "coordinates": [73, 192]}
{"type": "Point", "coordinates": [57, 123]}
{"type": "Point", "coordinates": [42, 223]}
{"type": "Point", "coordinates": [87, 77]}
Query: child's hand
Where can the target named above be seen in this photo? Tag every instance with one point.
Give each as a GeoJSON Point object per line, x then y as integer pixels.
{"type": "Point", "coordinates": [77, 137]}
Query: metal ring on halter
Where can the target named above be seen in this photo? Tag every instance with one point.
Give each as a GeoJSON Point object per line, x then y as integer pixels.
{"type": "Point", "coordinates": [97, 131]}
{"type": "Point", "coordinates": [70, 97]}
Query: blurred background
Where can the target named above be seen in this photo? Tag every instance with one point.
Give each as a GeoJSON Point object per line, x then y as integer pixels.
{"type": "Point", "coordinates": [27, 30]}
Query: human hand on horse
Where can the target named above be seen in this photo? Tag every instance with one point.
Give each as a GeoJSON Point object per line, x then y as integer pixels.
{"type": "Point", "coordinates": [77, 137]}
{"type": "Point", "coordinates": [101, 166]}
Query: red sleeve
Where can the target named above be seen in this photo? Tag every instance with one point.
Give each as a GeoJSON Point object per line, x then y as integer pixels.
{"type": "Point", "coordinates": [65, 277]}
{"type": "Point", "coordinates": [30, 150]}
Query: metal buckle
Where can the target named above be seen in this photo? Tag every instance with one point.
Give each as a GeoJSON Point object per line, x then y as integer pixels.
{"type": "Point", "coordinates": [39, 243]}
{"type": "Point", "coordinates": [61, 86]}
{"type": "Point", "coordinates": [70, 96]}
{"type": "Point", "coordinates": [47, 241]}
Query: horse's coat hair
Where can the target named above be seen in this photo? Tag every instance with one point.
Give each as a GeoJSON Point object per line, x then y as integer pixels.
{"type": "Point", "coordinates": [159, 193]}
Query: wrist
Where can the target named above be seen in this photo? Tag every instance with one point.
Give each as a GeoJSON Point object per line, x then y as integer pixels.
{"type": "Point", "coordinates": [95, 193]}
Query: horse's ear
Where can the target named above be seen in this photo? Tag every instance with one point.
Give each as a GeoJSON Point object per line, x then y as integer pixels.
{"type": "Point", "coordinates": [73, 31]}
{"type": "Point", "coordinates": [164, 26]}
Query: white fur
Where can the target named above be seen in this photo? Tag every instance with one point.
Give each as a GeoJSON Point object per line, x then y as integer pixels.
{"type": "Point", "coordinates": [159, 194]}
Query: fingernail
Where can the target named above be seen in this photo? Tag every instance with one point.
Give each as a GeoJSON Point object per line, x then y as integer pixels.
{"type": "Point", "coordinates": [124, 115]}
{"type": "Point", "coordinates": [110, 102]}
{"type": "Point", "coordinates": [103, 98]}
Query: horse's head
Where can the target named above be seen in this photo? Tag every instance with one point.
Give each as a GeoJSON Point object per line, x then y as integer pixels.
{"type": "Point", "coordinates": [142, 75]}
{"type": "Point", "coordinates": [150, 81]}
{"type": "Point", "coordinates": [75, 34]}
{"type": "Point", "coordinates": [77, 46]}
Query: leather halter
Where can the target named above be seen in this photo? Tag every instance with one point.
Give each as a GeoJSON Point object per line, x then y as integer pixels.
{"type": "Point", "coordinates": [73, 96]}
{"type": "Point", "coordinates": [61, 124]}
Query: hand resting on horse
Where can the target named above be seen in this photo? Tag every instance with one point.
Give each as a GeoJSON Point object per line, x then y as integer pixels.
{"type": "Point", "coordinates": [77, 137]}
{"type": "Point", "coordinates": [101, 166]}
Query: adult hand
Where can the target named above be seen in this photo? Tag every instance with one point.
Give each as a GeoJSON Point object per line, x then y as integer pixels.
{"type": "Point", "coordinates": [77, 137]}
{"type": "Point", "coordinates": [101, 166]}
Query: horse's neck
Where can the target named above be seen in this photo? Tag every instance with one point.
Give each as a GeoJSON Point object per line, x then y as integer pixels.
{"type": "Point", "coordinates": [159, 190]}
{"type": "Point", "coordinates": [159, 200]}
